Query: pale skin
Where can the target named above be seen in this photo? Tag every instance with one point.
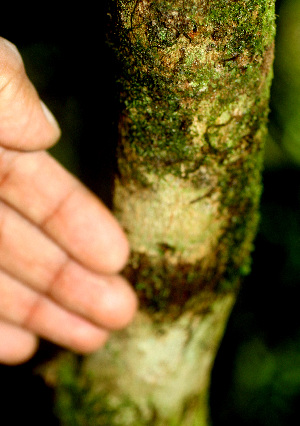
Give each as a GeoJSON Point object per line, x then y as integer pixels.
{"type": "Point", "coordinates": [61, 250]}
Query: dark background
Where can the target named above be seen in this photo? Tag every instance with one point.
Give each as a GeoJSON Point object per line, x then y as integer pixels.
{"type": "Point", "coordinates": [256, 379]}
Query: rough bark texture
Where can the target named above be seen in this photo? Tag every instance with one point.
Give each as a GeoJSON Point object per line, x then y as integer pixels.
{"type": "Point", "coordinates": [194, 81]}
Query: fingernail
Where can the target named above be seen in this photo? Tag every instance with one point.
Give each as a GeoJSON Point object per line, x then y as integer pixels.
{"type": "Point", "coordinates": [49, 116]}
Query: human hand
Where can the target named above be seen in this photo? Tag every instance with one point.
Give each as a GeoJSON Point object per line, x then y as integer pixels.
{"type": "Point", "coordinates": [60, 248]}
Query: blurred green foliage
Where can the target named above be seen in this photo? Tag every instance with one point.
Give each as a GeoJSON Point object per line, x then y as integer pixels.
{"type": "Point", "coordinates": [285, 126]}
{"type": "Point", "coordinates": [256, 379]}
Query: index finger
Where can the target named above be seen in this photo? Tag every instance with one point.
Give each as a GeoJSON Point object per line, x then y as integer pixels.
{"type": "Point", "coordinates": [57, 202]}
{"type": "Point", "coordinates": [25, 121]}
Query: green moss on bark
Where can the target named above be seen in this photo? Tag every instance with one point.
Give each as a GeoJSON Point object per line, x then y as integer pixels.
{"type": "Point", "coordinates": [194, 81]}
{"type": "Point", "coordinates": [181, 59]}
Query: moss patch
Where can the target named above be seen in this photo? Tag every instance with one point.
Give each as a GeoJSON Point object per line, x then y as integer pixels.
{"type": "Point", "coordinates": [184, 59]}
{"type": "Point", "coordinates": [194, 81]}
{"type": "Point", "coordinates": [77, 402]}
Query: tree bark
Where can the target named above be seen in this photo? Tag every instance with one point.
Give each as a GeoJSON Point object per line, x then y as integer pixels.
{"type": "Point", "coordinates": [194, 78]}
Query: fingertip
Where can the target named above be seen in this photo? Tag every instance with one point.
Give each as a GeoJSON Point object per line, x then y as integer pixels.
{"type": "Point", "coordinates": [17, 345]}
{"type": "Point", "coordinates": [25, 121]}
{"type": "Point", "coordinates": [86, 339]}
{"type": "Point", "coordinates": [27, 353]}
{"type": "Point", "coordinates": [50, 117]}
{"type": "Point", "coordinates": [42, 131]}
{"type": "Point", "coordinates": [128, 304]}
{"type": "Point", "coordinates": [50, 130]}
{"type": "Point", "coordinates": [119, 304]}
{"type": "Point", "coordinates": [118, 252]}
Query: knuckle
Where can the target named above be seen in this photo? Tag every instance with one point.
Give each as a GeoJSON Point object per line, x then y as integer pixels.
{"type": "Point", "coordinates": [7, 159]}
{"type": "Point", "coordinates": [3, 218]}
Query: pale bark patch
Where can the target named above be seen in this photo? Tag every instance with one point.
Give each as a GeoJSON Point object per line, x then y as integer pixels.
{"type": "Point", "coordinates": [171, 212]}
{"type": "Point", "coordinates": [163, 366]}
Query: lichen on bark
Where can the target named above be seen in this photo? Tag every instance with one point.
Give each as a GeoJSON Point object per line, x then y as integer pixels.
{"type": "Point", "coordinates": [180, 62]}
{"type": "Point", "coordinates": [194, 82]}
{"type": "Point", "coordinates": [194, 79]}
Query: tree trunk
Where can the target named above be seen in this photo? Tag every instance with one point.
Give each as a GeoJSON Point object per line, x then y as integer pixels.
{"type": "Point", "coordinates": [194, 81]}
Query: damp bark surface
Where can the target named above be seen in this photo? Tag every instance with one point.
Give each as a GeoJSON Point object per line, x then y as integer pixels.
{"type": "Point", "coordinates": [194, 79]}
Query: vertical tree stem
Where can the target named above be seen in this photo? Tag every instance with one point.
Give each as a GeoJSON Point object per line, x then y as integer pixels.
{"type": "Point", "coordinates": [194, 79]}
